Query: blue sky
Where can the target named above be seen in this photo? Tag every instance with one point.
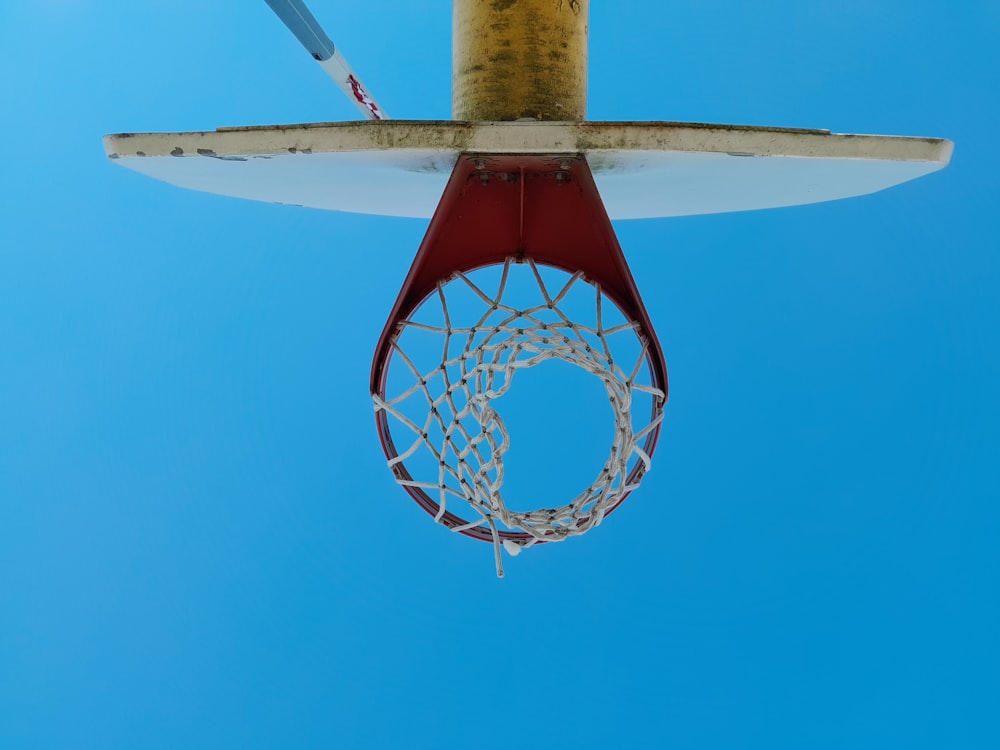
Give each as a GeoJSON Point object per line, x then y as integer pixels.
{"type": "Point", "coordinates": [200, 545]}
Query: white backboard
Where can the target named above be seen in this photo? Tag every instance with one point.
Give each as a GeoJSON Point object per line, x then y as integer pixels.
{"type": "Point", "coordinates": [643, 170]}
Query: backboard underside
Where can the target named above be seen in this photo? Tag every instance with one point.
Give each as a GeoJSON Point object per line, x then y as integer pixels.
{"type": "Point", "coordinates": [642, 170]}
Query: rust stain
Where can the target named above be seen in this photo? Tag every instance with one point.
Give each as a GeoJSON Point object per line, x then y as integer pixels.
{"type": "Point", "coordinates": [520, 59]}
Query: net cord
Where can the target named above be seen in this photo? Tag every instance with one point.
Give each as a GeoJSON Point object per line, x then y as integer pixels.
{"type": "Point", "coordinates": [459, 391]}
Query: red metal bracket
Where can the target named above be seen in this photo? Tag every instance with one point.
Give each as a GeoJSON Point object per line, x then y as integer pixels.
{"type": "Point", "coordinates": [546, 208]}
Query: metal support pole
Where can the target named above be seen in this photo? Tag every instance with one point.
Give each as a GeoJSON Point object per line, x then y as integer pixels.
{"type": "Point", "coordinates": [520, 59]}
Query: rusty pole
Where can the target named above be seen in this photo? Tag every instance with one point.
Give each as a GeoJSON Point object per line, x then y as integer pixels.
{"type": "Point", "coordinates": [519, 59]}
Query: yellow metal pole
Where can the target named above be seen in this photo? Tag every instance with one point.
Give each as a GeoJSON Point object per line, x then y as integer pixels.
{"type": "Point", "coordinates": [520, 59]}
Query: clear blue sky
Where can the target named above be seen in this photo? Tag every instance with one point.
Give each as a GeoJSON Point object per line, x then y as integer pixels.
{"type": "Point", "coordinates": [200, 546]}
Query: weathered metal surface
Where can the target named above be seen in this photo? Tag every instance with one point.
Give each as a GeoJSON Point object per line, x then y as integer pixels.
{"type": "Point", "coordinates": [643, 170]}
{"type": "Point", "coordinates": [520, 59]}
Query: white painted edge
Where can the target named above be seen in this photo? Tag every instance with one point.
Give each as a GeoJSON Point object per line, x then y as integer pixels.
{"type": "Point", "coordinates": [528, 138]}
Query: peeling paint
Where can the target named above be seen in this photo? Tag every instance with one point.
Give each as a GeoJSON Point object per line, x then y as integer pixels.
{"type": "Point", "coordinates": [364, 98]}
{"type": "Point", "coordinates": [262, 142]}
{"type": "Point", "coordinates": [213, 155]}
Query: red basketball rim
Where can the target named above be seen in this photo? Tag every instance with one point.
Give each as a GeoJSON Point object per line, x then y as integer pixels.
{"type": "Point", "coordinates": [543, 208]}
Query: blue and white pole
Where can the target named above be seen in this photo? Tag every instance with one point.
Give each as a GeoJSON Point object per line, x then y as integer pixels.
{"type": "Point", "coordinates": [301, 22]}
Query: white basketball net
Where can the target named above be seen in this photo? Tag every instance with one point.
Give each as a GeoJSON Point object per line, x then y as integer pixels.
{"type": "Point", "coordinates": [449, 411]}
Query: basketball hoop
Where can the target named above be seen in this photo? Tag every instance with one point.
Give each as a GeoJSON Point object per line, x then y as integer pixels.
{"type": "Point", "coordinates": [519, 213]}
{"type": "Point", "coordinates": [521, 198]}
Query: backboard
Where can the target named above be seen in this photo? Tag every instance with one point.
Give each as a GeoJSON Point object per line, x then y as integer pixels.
{"type": "Point", "coordinates": [642, 170]}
